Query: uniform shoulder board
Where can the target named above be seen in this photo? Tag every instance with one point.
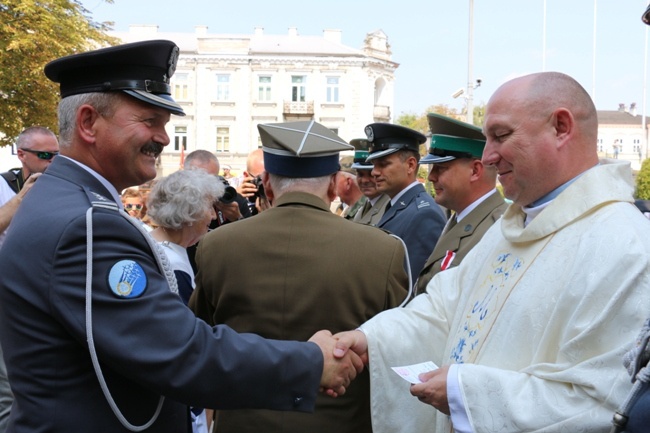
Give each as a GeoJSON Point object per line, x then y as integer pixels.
{"type": "Point", "coordinates": [98, 200]}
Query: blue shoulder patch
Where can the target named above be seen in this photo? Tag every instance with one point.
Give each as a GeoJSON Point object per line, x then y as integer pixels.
{"type": "Point", "coordinates": [127, 279]}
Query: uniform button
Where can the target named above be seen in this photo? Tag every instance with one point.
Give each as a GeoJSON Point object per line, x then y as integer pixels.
{"type": "Point", "coordinates": [468, 227]}
{"type": "Point", "coordinates": [297, 401]}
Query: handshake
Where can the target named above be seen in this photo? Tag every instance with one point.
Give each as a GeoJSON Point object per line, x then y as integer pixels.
{"type": "Point", "coordinates": [344, 356]}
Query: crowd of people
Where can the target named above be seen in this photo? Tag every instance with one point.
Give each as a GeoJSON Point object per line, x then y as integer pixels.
{"type": "Point", "coordinates": [134, 314]}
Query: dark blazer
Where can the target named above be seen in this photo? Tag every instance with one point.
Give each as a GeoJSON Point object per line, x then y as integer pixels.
{"type": "Point", "coordinates": [288, 272]}
{"type": "Point", "coordinates": [418, 220]}
{"type": "Point", "coordinates": [148, 345]}
{"type": "Point", "coordinates": [462, 237]}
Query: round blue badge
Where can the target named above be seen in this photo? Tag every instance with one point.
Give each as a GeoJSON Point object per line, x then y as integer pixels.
{"type": "Point", "coordinates": [127, 279]}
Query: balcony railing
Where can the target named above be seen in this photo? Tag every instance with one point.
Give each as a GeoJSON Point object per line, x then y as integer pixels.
{"type": "Point", "coordinates": [299, 108]}
{"type": "Point", "coordinates": [381, 113]}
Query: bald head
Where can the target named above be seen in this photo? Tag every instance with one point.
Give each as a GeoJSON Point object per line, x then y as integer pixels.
{"type": "Point", "coordinates": [255, 162]}
{"type": "Point", "coordinates": [549, 91]}
{"type": "Point", "coordinates": [202, 159]}
{"type": "Point", "coordinates": [541, 132]}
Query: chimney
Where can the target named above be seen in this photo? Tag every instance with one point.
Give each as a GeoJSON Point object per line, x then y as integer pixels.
{"type": "Point", "coordinates": [293, 31]}
{"type": "Point", "coordinates": [633, 108]}
{"type": "Point", "coordinates": [621, 108]}
{"type": "Point", "coordinates": [201, 30]}
{"type": "Point", "coordinates": [259, 31]}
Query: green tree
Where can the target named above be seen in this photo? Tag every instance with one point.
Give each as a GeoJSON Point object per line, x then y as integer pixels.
{"type": "Point", "coordinates": [32, 33]}
{"type": "Point", "coordinates": [479, 114]}
{"type": "Point", "coordinates": [420, 123]}
{"type": "Point", "coordinates": [643, 181]}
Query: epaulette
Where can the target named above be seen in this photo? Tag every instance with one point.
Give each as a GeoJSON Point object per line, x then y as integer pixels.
{"type": "Point", "coordinates": [97, 200]}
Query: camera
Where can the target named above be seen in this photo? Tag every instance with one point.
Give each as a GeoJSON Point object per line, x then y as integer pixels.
{"type": "Point", "coordinates": [257, 181]}
{"type": "Point", "coordinates": [229, 193]}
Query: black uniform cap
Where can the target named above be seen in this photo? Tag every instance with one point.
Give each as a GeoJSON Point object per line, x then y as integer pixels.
{"type": "Point", "coordinates": [140, 69]}
{"type": "Point", "coordinates": [386, 138]}
{"type": "Point", "coordinates": [646, 16]}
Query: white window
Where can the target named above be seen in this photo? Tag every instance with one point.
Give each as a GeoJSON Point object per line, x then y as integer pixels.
{"type": "Point", "coordinates": [332, 89]}
{"type": "Point", "coordinates": [180, 138]}
{"type": "Point", "coordinates": [264, 88]}
{"type": "Point", "coordinates": [223, 87]}
{"type": "Point", "coordinates": [223, 139]}
{"type": "Point", "coordinates": [298, 88]}
{"type": "Point", "coordinates": [180, 86]}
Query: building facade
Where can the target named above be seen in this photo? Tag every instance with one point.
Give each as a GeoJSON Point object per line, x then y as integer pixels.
{"type": "Point", "coordinates": [623, 134]}
{"type": "Point", "coordinates": [227, 84]}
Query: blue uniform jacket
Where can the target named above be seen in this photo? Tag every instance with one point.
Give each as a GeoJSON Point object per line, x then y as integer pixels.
{"type": "Point", "coordinates": [418, 220]}
{"type": "Point", "coordinates": [148, 345]}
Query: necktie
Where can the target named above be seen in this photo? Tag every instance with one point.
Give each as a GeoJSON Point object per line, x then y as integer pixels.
{"type": "Point", "coordinates": [366, 207]}
{"type": "Point", "coordinates": [388, 205]}
{"type": "Point", "coordinates": [450, 224]}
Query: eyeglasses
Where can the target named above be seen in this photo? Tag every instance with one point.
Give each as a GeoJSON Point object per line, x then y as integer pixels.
{"type": "Point", "coordinates": [42, 155]}
{"type": "Point", "coordinates": [130, 206]}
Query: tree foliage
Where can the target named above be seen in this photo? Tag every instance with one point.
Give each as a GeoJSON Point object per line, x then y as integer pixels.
{"type": "Point", "coordinates": [643, 181]}
{"type": "Point", "coordinates": [32, 33]}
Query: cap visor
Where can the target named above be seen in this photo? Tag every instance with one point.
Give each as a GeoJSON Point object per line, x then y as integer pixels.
{"type": "Point", "coordinates": [360, 166]}
{"type": "Point", "coordinates": [381, 154]}
{"type": "Point", "coordinates": [161, 100]}
{"type": "Point", "coordinates": [433, 159]}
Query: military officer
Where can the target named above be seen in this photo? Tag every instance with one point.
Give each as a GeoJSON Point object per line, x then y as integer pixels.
{"type": "Point", "coordinates": [411, 213]}
{"type": "Point", "coordinates": [298, 268]}
{"type": "Point", "coordinates": [347, 189]}
{"type": "Point", "coordinates": [375, 205]}
{"type": "Point", "coordinates": [93, 337]}
{"type": "Point", "coordinates": [463, 185]}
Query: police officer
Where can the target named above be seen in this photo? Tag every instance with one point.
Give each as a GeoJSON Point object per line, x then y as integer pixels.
{"type": "Point", "coordinates": [93, 338]}
{"type": "Point", "coordinates": [411, 214]}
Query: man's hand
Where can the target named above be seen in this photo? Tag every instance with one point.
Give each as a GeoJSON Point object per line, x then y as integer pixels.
{"type": "Point", "coordinates": [247, 188]}
{"type": "Point", "coordinates": [337, 372]}
{"type": "Point", "coordinates": [8, 210]}
{"type": "Point", "coordinates": [229, 211]}
{"type": "Point", "coordinates": [262, 204]}
{"type": "Point", "coordinates": [354, 340]}
{"type": "Point", "coordinates": [29, 183]}
{"type": "Point", "coordinates": [433, 390]}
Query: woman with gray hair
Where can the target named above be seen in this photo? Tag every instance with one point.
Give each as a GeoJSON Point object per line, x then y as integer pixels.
{"type": "Point", "coordinates": [182, 204]}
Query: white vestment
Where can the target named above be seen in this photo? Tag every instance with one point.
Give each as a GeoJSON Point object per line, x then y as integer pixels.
{"type": "Point", "coordinates": [538, 316]}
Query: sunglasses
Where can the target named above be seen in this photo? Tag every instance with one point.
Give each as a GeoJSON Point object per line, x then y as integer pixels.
{"type": "Point", "coordinates": [130, 206]}
{"type": "Point", "coordinates": [42, 155]}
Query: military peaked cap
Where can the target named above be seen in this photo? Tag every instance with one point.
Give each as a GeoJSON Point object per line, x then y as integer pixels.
{"type": "Point", "coordinates": [300, 149]}
{"type": "Point", "coordinates": [451, 139]}
{"type": "Point", "coordinates": [386, 138]}
{"type": "Point", "coordinates": [140, 69]}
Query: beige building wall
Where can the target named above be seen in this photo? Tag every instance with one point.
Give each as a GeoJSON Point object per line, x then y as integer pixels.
{"type": "Point", "coordinates": [227, 84]}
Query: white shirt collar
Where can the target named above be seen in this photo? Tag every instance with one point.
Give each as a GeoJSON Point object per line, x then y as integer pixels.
{"type": "Point", "coordinates": [473, 206]}
{"type": "Point", "coordinates": [402, 192]}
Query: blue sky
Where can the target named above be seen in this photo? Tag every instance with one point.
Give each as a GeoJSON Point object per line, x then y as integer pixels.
{"type": "Point", "coordinates": [429, 38]}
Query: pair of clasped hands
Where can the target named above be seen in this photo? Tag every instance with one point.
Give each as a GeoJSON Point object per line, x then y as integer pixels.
{"type": "Point", "coordinates": [345, 355]}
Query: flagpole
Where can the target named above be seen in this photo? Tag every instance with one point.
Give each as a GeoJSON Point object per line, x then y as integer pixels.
{"type": "Point", "coordinates": [593, 66]}
{"type": "Point", "coordinates": [544, 39]}
{"type": "Point", "coordinates": [470, 66]}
